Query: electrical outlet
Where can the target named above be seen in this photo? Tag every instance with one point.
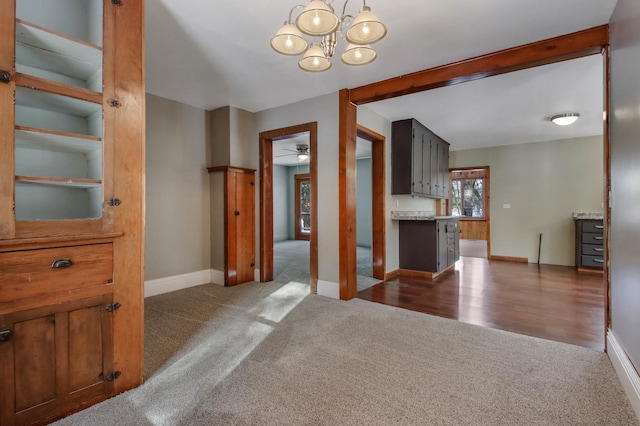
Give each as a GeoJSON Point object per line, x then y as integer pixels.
{"type": "Point", "coordinates": [506, 206]}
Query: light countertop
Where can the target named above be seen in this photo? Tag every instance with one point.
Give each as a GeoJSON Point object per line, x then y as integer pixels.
{"type": "Point", "coordinates": [417, 215]}
{"type": "Point", "coordinates": [588, 215]}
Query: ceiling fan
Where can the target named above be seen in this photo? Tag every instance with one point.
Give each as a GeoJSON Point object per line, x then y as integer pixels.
{"type": "Point", "coordinates": [302, 151]}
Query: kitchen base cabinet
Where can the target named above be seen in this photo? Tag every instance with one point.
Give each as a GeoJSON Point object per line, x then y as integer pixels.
{"type": "Point", "coordinates": [429, 245]}
{"type": "Point", "coordinates": [589, 244]}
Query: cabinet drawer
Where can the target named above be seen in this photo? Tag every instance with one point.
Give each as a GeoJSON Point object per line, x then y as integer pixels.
{"type": "Point", "coordinates": [31, 273]}
{"type": "Point", "coordinates": [594, 226]}
{"type": "Point", "coordinates": [593, 261]}
{"type": "Point", "coordinates": [589, 238]}
{"type": "Point", "coordinates": [593, 250]}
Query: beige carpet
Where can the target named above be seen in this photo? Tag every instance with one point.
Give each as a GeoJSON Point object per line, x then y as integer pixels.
{"type": "Point", "coordinates": [271, 354]}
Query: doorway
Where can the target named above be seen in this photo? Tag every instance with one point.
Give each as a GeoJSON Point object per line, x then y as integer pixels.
{"type": "Point", "coordinates": [267, 140]}
{"type": "Point", "coordinates": [470, 201]}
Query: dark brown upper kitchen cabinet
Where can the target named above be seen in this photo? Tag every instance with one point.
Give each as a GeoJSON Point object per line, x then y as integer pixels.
{"type": "Point", "coordinates": [420, 161]}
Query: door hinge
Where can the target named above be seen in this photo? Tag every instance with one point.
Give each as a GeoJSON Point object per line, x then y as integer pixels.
{"type": "Point", "coordinates": [112, 376]}
{"type": "Point", "coordinates": [116, 2]}
{"type": "Point", "coordinates": [5, 335]}
{"type": "Point", "coordinates": [113, 307]}
{"type": "Point", "coordinates": [115, 103]}
{"type": "Point", "coordinates": [114, 201]}
{"type": "Point", "coordinates": [5, 76]}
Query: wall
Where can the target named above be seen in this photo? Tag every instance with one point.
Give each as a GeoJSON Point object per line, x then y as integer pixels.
{"type": "Point", "coordinates": [177, 229]}
{"type": "Point", "coordinates": [625, 177]}
{"type": "Point", "coordinates": [280, 203]}
{"type": "Point", "coordinates": [544, 182]}
{"type": "Point", "coordinates": [363, 202]}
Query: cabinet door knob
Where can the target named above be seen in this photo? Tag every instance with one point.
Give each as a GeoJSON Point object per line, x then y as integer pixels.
{"type": "Point", "coordinates": [62, 263]}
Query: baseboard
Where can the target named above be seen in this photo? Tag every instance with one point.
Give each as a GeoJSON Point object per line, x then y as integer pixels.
{"type": "Point", "coordinates": [410, 273]}
{"type": "Point", "coordinates": [627, 373]}
{"type": "Point", "coordinates": [509, 258]}
{"type": "Point", "coordinates": [391, 275]}
{"type": "Point", "coordinates": [217, 277]}
{"type": "Point", "coordinates": [177, 282]}
{"type": "Point", "coordinates": [328, 289]}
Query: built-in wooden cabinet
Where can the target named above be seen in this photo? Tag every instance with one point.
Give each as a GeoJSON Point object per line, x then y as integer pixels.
{"type": "Point", "coordinates": [420, 161]}
{"type": "Point", "coordinates": [238, 221]}
{"type": "Point", "coordinates": [71, 204]}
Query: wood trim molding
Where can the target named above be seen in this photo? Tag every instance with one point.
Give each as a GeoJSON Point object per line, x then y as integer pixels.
{"type": "Point", "coordinates": [570, 46]}
{"type": "Point", "coordinates": [606, 191]}
{"type": "Point", "coordinates": [378, 193]}
{"type": "Point", "coordinates": [7, 118]}
{"type": "Point", "coordinates": [509, 258]}
{"type": "Point", "coordinates": [410, 273]}
{"type": "Point", "coordinates": [230, 169]}
{"type": "Point", "coordinates": [347, 196]}
{"type": "Point", "coordinates": [266, 139]}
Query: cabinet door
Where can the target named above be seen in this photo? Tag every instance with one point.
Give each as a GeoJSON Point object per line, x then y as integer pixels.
{"type": "Point", "coordinates": [417, 172]}
{"type": "Point", "coordinates": [61, 157]}
{"type": "Point", "coordinates": [55, 358]}
{"type": "Point", "coordinates": [443, 247]}
{"type": "Point", "coordinates": [435, 168]}
{"type": "Point", "coordinates": [426, 162]}
{"type": "Point", "coordinates": [443, 168]}
{"type": "Point", "coordinates": [245, 224]}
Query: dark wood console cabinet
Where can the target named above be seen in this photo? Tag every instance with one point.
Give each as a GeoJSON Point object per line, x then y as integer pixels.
{"type": "Point", "coordinates": [420, 161]}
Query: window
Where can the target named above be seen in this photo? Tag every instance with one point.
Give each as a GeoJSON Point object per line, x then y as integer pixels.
{"type": "Point", "coordinates": [303, 207]}
{"type": "Point", "coordinates": [468, 195]}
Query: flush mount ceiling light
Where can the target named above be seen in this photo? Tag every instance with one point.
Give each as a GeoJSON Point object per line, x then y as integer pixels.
{"type": "Point", "coordinates": [318, 19]}
{"type": "Point", "coordinates": [565, 119]}
{"type": "Point", "coordinates": [303, 152]}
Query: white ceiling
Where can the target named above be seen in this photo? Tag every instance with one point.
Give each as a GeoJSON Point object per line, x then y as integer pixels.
{"type": "Point", "coordinates": [284, 150]}
{"type": "Point", "coordinates": [213, 53]}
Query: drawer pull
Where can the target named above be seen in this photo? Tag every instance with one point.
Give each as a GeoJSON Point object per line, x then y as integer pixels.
{"type": "Point", "coordinates": [598, 249]}
{"type": "Point", "coordinates": [598, 226]}
{"type": "Point", "coordinates": [598, 260]}
{"type": "Point", "coordinates": [598, 238]}
{"type": "Point", "coordinates": [62, 263]}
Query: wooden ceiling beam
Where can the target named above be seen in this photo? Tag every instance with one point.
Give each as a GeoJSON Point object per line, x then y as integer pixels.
{"type": "Point", "coordinates": [570, 46]}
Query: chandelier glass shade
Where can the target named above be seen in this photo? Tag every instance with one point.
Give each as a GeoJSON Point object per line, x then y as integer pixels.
{"type": "Point", "coordinates": [318, 19]}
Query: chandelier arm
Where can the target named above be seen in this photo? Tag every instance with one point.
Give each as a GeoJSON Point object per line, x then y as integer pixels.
{"type": "Point", "coordinates": [291, 12]}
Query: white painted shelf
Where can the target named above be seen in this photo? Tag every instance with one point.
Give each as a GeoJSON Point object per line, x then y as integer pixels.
{"type": "Point", "coordinates": [61, 182]}
{"type": "Point", "coordinates": [48, 101]}
{"type": "Point", "coordinates": [27, 137]}
{"type": "Point", "coordinates": [46, 50]}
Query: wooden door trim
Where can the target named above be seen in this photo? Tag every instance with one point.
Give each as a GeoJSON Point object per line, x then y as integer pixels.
{"type": "Point", "coordinates": [378, 231]}
{"type": "Point", "coordinates": [570, 46]}
{"type": "Point", "coordinates": [266, 199]}
{"type": "Point", "coordinates": [303, 177]}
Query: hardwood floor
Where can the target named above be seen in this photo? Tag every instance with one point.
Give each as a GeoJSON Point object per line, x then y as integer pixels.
{"type": "Point", "coordinates": [552, 302]}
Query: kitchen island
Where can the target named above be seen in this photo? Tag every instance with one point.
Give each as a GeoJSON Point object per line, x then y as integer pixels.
{"type": "Point", "coordinates": [429, 245]}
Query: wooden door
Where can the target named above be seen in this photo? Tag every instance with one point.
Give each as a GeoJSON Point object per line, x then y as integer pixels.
{"type": "Point", "coordinates": [55, 358]}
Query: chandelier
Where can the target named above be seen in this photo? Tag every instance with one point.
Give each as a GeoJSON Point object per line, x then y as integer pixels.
{"type": "Point", "coordinates": [318, 19]}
